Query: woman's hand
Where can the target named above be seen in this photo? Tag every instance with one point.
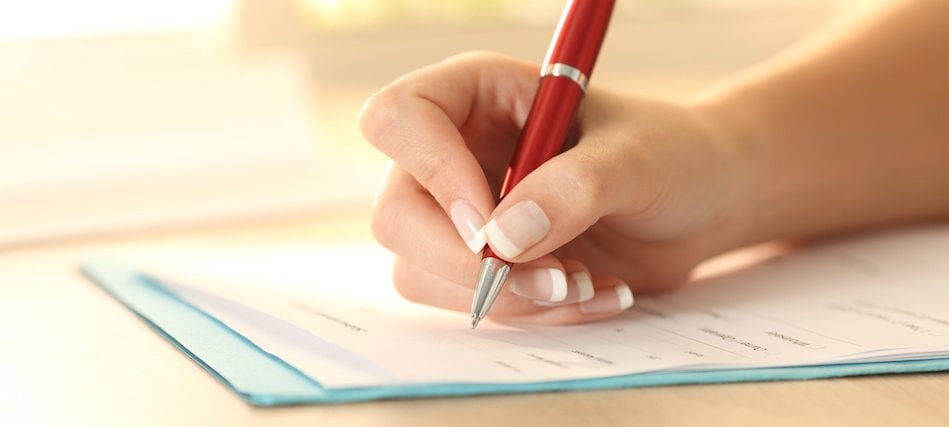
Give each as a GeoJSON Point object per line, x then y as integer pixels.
{"type": "Point", "coordinates": [647, 192]}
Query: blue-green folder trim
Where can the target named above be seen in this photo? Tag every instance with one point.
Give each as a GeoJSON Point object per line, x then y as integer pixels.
{"type": "Point", "coordinates": [265, 380]}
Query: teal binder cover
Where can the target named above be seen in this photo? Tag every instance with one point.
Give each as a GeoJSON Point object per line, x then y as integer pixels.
{"type": "Point", "coordinates": [263, 379]}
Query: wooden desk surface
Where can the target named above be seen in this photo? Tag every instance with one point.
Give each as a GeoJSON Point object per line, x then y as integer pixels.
{"type": "Point", "coordinates": [71, 355]}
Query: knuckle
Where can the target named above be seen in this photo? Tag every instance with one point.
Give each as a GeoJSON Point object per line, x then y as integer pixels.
{"type": "Point", "coordinates": [485, 59]}
{"type": "Point", "coordinates": [434, 173]}
{"type": "Point", "coordinates": [474, 56]}
{"type": "Point", "coordinates": [405, 282]}
{"type": "Point", "coordinates": [383, 121]}
{"type": "Point", "coordinates": [380, 119]}
{"type": "Point", "coordinates": [384, 222]}
{"type": "Point", "coordinates": [377, 116]}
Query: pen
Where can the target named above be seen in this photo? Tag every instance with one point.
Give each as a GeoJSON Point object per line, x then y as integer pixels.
{"type": "Point", "coordinates": [564, 75]}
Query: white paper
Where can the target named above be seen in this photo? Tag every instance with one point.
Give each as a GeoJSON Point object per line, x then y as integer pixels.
{"type": "Point", "coordinates": [333, 315]}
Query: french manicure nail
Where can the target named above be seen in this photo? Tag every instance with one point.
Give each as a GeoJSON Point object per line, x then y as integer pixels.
{"type": "Point", "coordinates": [584, 286]}
{"type": "Point", "coordinates": [579, 289]}
{"type": "Point", "coordinates": [518, 228]}
{"type": "Point", "coordinates": [539, 284]}
{"type": "Point", "coordinates": [608, 300]}
{"type": "Point", "coordinates": [469, 224]}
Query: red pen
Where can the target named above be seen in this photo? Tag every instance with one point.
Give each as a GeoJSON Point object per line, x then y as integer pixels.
{"type": "Point", "coordinates": [563, 81]}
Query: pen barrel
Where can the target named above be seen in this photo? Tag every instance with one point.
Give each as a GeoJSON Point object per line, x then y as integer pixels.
{"type": "Point", "coordinates": [580, 34]}
{"type": "Point", "coordinates": [576, 45]}
{"type": "Point", "coordinates": [546, 129]}
{"type": "Point", "coordinates": [564, 76]}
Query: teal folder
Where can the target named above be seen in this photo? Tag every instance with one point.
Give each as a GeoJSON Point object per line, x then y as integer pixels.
{"type": "Point", "coordinates": [263, 379]}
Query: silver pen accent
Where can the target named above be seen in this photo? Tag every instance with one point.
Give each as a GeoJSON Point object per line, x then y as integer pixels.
{"type": "Point", "coordinates": [490, 281]}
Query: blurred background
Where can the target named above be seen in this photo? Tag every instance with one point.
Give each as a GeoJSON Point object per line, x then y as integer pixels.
{"type": "Point", "coordinates": [135, 116]}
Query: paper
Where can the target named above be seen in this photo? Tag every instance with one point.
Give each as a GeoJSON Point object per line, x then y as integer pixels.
{"type": "Point", "coordinates": [333, 316]}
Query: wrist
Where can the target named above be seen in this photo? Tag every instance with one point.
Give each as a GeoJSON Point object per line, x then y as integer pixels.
{"type": "Point", "coordinates": [739, 134]}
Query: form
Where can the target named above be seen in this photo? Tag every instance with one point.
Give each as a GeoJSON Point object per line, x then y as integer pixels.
{"type": "Point", "coordinates": [333, 316]}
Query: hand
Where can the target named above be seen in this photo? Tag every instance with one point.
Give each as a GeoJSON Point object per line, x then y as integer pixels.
{"type": "Point", "coordinates": [648, 191]}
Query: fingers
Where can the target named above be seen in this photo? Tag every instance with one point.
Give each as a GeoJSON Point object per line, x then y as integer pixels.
{"type": "Point", "coordinates": [659, 180]}
{"type": "Point", "coordinates": [602, 175]}
{"type": "Point", "coordinates": [609, 297]}
{"type": "Point", "coordinates": [422, 286]}
{"type": "Point", "coordinates": [451, 128]}
{"type": "Point", "coordinates": [579, 285]}
{"type": "Point", "coordinates": [439, 124]}
{"type": "Point", "coordinates": [409, 222]}
{"type": "Point", "coordinates": [434, 268]}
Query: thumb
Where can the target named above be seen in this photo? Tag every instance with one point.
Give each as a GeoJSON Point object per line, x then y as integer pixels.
{"type": "Point", "coordinates": [565, 196]}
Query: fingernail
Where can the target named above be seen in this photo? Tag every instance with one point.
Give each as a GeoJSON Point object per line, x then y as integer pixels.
{"type": "Point", "coordinates": [469, 224]}
{"type": "Point", "coordinates": [579, 289]}
{"type": "Point", "coordinates": [539, 284]}
{"type": "Point", "coordinates": [518, 228]}
{"type": "Point", "coordinates": [618, 298]}
{"type": "Point", "coordinates": [584, 286]}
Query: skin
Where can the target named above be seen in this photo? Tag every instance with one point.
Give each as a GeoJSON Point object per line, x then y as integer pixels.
{"type": "Point", "coordinates": [849, 131]}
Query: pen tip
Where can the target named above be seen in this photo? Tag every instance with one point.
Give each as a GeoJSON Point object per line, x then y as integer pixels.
{"type": "Point", "coordinates": [474, 321]}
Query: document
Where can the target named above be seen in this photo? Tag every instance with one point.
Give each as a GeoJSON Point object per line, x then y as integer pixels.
{"type": "Point", "coordinates": [333, 316]}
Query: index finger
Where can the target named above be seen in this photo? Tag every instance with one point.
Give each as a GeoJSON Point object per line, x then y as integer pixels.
{"type": "Point", "coordinates": [430, 120]}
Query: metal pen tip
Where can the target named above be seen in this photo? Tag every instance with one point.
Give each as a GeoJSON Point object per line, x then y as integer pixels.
{"type": "Point", "coordinates": [490, 280]}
